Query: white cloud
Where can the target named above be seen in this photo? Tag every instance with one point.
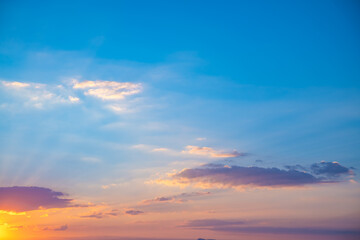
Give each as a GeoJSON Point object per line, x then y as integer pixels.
{"type": "Point", "coordinates": [38, 95]}
{"type": "Point", "coordinates": [108, 90]}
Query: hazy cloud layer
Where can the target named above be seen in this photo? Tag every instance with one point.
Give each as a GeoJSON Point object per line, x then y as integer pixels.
{"type": "Point", "coordinates": [38, 95]}
{"type": "Point", "coordinates": [216, 175]}
{"type": "Point", "coordinates": [20, 199]}
{"type": "Point", "coordinates": [240, 226]}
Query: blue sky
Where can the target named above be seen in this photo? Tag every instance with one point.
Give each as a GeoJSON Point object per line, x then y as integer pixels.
{"type": "Point", "coordinates": [99, 95]}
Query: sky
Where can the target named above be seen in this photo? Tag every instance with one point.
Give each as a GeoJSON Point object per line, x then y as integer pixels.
{"type": "Point", "coordinates": [179, 120]}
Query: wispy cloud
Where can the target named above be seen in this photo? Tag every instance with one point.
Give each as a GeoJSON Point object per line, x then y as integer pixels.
{"type": "Point", "coordinates": [179, 198]}
{"type": "Point", "coordinates": [39, 95]}
{"type": "Point", "coordinates": [108, 90]}
{"type": "Point", "coordinates": [91, 159]}
{"type": "Point", "coordinates": [99, 215]}
{"type": "Point", "coordinates": [210, 152]}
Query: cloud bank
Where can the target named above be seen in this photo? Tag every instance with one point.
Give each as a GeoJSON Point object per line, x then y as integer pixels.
{"type": "Point", "coordinates": [21, 199]}
{"type": "Point", "coordinates": [224, 176]}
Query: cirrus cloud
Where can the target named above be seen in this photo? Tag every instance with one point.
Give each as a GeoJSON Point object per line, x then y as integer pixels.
{"type": "Point", "coordinates": [210, 152]}
{"type": "Point", "coordinates": [38, 95]}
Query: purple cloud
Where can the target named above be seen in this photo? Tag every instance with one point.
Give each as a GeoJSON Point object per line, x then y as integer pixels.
{"type": "Point", "coordinates": [236, 176]}
{"type": "Point", "coordinates": [330, 169]}
{"type": "Point", "coordinates": [233, 176]}
{"type": "Point", "coordinates": [20, 199]}
{"type": "Point", "coordinates": [134, 212]}
{"type": "Point", "coordinates": [60, 228]}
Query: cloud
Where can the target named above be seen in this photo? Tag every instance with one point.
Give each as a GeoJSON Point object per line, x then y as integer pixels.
{"type": "Point", "coordinates": [60, 228]}
{"type": "Point", "coordinates": [160, 150]}
{"type": "Point", "coordinates": [15, 84]}
{"type": "Point", "coordinates": [224, 176]}
{"type": "Point", "coordinates": [210, 152]}
{"type": "Point", "coordinates": [134, 212]}
{"type": "Point", "coordinates": [212, 223]}
{"type": "Point", "coordinates": [200, 139]}
{"type": "Point", "coordinates": [108, 90]}
{"type": "Point", "coordinates": [288, 230]}
{"type": "Point", "coordinates": [179, 198]}
{"type": "Point", "coordinates": [39, 95]}
{"type": "Point", "coordinates": [21, 199]}
{"type": "Point", "coordinates": [99, 215]}
{"type": "Point", "coordinates": [330, 169]}
{"type": "Point", "coordinates": [120, 238]}
{"type": "Point", "coordinates": [240, 226]}
{"type": "Point", "coordinates": [90, 159]}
